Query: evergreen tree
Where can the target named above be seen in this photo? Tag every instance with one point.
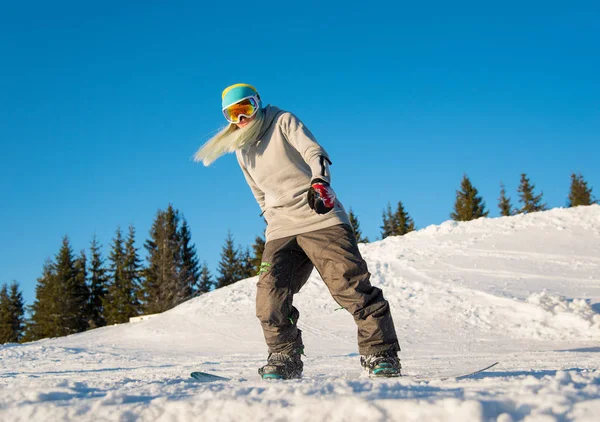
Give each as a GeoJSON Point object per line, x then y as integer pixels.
{"type": "Point", "coordinates": [245, 264]}
{"type": "Point", "coordinates": [6, 332]}
{"type": "Point", "coordinates": [114, 298]}
{"type": "Point", "coordinates": [172, 273]}
{"type": "Point", "coordinates": [60, 307]}
{"type": "Point", "coordinates": [81, 294]}
{"type": "Point", "coordinates": [45, 309]}
{"type": "Point", "coordinates": [132, 274]}
{"type": "Point", "coordinates": [580, 193]}
{"type": "Point", "coordinates": [258, 248]}
{"type": "Point", "coordinates": [356, 228]}
{"type": "Point", "coordinates": [229, 263]}
{"type": "Point", "coordinates": [398, 223]}
{"type": "Point", "coordinates": [16, 312]}
{"type": "Point", "coordinates": [72, 291]}
{"type": "Point", "coordinates": [206, 281]}
{"type": "Point", "coordinates": [98, 281]}
{"type": "Point", "coordinates": [190, 271]}
{"type": "Point", "coordinates": [403, 223]}
{"type": "Point", "coordinates": [388, 228]}
{"type": "Point", "coordinates": [468, 206]}
{"type": "Point", "coordinates": [65, 276]}
{"type": "Point", "coordinates": [121, 301]}
{"type": "Point", "coordinates": [504, 203]}
{"type": "Point", "coordinates": [530, 201]}
{"type": "Point", "coordinates": [162, 290]}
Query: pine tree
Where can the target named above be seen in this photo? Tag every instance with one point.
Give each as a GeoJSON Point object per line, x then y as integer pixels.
{"type": "Point", "coordinates": [132, 274]}
{"type": "Point", "coordinates": [81, 293]}
{"type": "Point", "coordinates": [229, 263]}
{"type": "Point", "coordinates": [65, 276]}
{"type": "Point", "coordinates": [245, 264]}
{"type": "Point", "coordinates": [113, 300]}
{"type": "Point", "coordinates": [388, 228]}
{"type": "Point", "coordinates": [398, 223]}
{"type": "Point", "coordinates": [530, 201]}
{"type": "Point", "coordinates": [504, 203]}
{"type": "Point", "coordinates": [121, 301]}
{"type": "Point", "coordinates": [6, 332]}
{"type": "Point", "coordinates": [468, 206]}
{"type": "Point", "coordinates": [258, 248]}
{"type": "Point", "coordinates": [403, 223]}
{"type": "Point", "coordinates": [356, 228]}
{"type": "Point", "coordinates": [17, 312]}
{"type": "Point", "coordinates": [61, 301]}
{"type": "Point", "coordinates": [70, 278]}
{"type": "Point", "coordinates": [580, 193]}
{"type": "Point", "coordinates": [45, 309]}
{"type": "Point", "coordinates": [161, 278]}
{"type": "Point", "coordinates": [172, 271]}
{"type": "Point", "coordinates": [190, 271]}
{"type": "Point", "coordinates": [206, 281]}
{"type": "Point", "coordinates": [98, 281]}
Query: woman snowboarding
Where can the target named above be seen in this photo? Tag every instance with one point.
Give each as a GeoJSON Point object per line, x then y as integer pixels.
{"type": "Point", "coordinates": [307, 227]}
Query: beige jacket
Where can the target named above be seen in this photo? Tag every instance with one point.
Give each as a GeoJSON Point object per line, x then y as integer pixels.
{"type": "Point", "coordinates": [279, 167]}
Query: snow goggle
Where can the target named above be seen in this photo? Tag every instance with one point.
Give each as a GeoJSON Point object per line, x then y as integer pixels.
{"type": "Point", "coordinates": [246, 107]}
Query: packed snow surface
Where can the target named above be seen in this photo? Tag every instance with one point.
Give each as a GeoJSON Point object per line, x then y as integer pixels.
{"type": "Point", "coordinates": [522, 290]}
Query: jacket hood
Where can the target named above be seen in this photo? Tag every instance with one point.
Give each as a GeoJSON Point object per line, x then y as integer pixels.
{"type": "Point", "coordinates": [270, 115]}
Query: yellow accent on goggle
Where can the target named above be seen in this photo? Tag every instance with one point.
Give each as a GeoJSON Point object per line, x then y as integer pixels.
{"type": "Point", "coordinates": [246, 107]}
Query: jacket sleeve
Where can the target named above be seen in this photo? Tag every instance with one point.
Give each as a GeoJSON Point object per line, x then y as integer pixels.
{"type": "Point", "coordinates": [303, 140]}
{"type": "Point", "coordinates": [259, 195]}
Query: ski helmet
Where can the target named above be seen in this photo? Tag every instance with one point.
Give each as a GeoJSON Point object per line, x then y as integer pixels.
{"type": "Point", "coordinates": [234, 93]}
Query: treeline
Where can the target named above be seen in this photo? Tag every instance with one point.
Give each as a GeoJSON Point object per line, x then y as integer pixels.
{"type": "Point", "coordinates": [77, 292]}
{"type": "Point", "coordinates": [84, 291]}
{"type": "Point", "coordinates": [469, 205]}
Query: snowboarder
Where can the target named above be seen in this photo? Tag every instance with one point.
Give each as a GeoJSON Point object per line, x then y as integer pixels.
{"type": "Point", "coordinates": [307, 227]}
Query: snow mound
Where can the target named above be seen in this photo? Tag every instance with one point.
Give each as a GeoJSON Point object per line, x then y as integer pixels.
{"type": "Point", "coordinates": [574, 314]}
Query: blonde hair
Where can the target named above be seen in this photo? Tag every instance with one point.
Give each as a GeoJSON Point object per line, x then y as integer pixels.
{"type": "Point", "coordinates": [229, 139]}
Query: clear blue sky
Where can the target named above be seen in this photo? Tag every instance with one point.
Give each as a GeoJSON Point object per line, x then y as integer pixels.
{"type": "Point", "coordinates": [102, 106]}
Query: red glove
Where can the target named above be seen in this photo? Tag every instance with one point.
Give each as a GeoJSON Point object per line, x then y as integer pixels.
{"type": "Point", "coordinates": [321, 197]}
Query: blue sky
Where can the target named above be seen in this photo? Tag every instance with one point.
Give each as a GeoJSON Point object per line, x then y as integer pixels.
{"type": "Point", "coordinates": [102, 107]}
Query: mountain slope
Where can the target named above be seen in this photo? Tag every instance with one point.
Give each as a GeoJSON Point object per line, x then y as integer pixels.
{"type": "Point", "coordinates": [532, 277]}
{"type": "Point", "coordinates": [524, 290]}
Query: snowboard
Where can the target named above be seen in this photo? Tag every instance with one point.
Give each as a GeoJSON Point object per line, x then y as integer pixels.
{"type": "Point", "coordinates": [456, 376]}
{"type": "Point", "coordinates": [207, 377]}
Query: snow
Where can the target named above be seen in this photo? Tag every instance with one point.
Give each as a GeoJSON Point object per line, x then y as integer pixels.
{"type": "Point", "coordinates": [523, 290]}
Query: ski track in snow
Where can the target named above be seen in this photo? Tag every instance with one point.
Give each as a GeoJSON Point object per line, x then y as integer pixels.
{"type": "Point", "coordinates": [523, 290]}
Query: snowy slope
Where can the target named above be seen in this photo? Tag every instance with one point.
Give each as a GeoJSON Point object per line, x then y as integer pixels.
{"type": "Point", "coordinates": [522, 290]}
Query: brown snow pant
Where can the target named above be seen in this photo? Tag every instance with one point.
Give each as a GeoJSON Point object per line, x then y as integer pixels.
{"type": "Point", "coordinates": [287, 264]}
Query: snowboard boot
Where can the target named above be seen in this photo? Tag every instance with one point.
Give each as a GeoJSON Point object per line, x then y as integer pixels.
{"type": "Point", "coordinates": [383, 364]}
{"type": "Point", "coordinates": [282, 366]}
